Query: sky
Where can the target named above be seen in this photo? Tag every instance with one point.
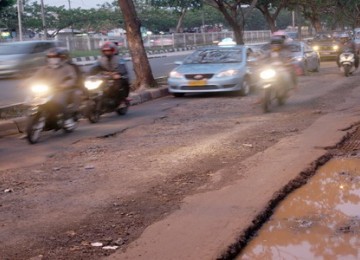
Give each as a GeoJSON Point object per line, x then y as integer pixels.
{"type": "Point", "coordinates": [84, 4]}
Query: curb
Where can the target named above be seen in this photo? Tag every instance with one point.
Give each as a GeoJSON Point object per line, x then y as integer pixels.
{"type": "Point", "coordinates": [17, 125]}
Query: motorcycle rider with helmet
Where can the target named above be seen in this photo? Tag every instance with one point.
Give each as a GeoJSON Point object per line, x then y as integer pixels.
{"type": "Point", "coordinates": [347, 44]}
{"type": "Point", "coordinates": [62, 76]}
{"type": "Point", "coordinates": [111, 63]}
{"type": "Point", "coordinates": [279, 53]}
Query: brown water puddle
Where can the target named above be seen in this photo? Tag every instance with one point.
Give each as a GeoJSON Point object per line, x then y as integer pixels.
{"type": "Point", "coordinates": [320, 220]}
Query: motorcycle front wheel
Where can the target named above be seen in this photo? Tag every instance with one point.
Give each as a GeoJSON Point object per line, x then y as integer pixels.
{"type": "Point", "coordinates": [34, 127]}
{"type": "Point", "coordinates": [266, 102]}
{"type": "Point", "coordinates": [347, 70]}
{"type": "Point", "coordinates": [122, 111]}
{"type": "Point", "coordinates": [93, 111]}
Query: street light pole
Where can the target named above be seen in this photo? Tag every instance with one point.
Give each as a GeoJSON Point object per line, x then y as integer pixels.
{"type": "Point", "coordinates": [19, 9]}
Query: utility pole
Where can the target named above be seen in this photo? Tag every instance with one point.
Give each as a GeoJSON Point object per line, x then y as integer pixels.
{"type": "Point", "coordinates": [19, 9]}
{"type": "Point", "coordinates": [43, 19]}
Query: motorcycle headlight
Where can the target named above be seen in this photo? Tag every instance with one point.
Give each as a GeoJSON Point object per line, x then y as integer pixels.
{"type": "Point", "coordinates": [40, 89]}
{"type": "Point", "coordinates": [316, 48]}
{"type": "Point", "coordinates": [335, 47]}
{"type": "Point", "coordinates": [93, 84]}
{"type": "Point", "coordinates": [175, 74]}
{"type": "Point", "coordinates": [267, 74]}
{"type": "Point", "coordinates": [227, 73]}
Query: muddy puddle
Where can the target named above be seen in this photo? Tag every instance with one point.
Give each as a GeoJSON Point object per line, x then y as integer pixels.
{"type": "Point", "coordinates": [320, 220]}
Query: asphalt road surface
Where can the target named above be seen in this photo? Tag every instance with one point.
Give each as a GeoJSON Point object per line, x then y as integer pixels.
{"type": "Point", "coordinates": [176, 178]}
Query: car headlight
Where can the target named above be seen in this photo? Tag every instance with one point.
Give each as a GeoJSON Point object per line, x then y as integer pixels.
{"type": "Point", "coordinates": [227, 73]}
{"type": "Point", "coordinates": [316, 48]}
{"type": "Point", "coordinates": [175, 74]}
{"type": "Point", "coordinates": [40, 89]}
{"type": "Point", "coordinates": [335, 47]}
{"type": "Point", "coordinates": [267, 74]}
{"type": "Point", "coordinates": [92, 84]}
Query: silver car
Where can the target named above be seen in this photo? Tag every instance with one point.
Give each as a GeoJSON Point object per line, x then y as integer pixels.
{"type": "Point", "coordinates": [212, 69]}
{"type": "Point", "coordinates": [22, 58]}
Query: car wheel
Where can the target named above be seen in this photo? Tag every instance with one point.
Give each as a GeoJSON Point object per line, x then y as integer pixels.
{"type": "Point", "coordinates": [246, 86]}
{"type": "Point", "coordinates": [178, 94]}
{"type": "Point", "coordinates": [306, 70]}
{"type": "Point", "coordinates": [317, 66]}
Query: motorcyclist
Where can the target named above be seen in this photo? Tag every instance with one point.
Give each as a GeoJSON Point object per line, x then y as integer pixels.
{"type": "Point", "coordinates": [347, 44]}
{"type": "Point", "coordinates": [281, 55]}
{"type": "Point", "coordinates": [60, 75]}
{"type": "Point", "coordinates": [111, 63]}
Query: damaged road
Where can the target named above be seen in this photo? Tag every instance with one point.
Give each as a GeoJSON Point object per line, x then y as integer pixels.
{"type": "Point", "coordinates": [190, 182]}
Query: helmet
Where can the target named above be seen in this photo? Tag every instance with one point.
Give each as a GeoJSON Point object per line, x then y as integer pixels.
{"type": "Point", "coordinates": [344, 38]}
{"type": "Point", "coordinates": [57, 56]}
{"type": "Point", "coordinates": [109, 49]}
{"type": "Point", "coordinates": [277, 42]}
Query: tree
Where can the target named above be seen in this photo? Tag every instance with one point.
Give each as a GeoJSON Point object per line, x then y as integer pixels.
{"type": "Point", "coordinates": [314, 10]}
{"type": "Point", "coordinates": [235, 13]}
{"type": "Point", "coordinates": [6, 3]}
{"type": "Point", "coordinates": [144, 76]}
{"type": "Point", "coordinates": [180, 7]}
{"type": "Point", "coordinates": [271, 10]}
{"type": "Point", "coordinates": [350, 12]}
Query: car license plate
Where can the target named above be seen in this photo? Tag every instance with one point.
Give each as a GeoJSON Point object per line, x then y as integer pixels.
{"type": "Point", "coordinates": [196, 83]}
{"type": "Point", "coordinates": [326, 53]}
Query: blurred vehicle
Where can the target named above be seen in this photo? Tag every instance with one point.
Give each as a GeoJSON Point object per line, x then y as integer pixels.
{"type": "Point", "coordinates": [292, 35]}
{"type": "Point", "coordinates": [212, 69]}
{"type": "Point", "coordinates": [347, 62]}
{"type": "Point", "coordinates": [45, 115]}
{"type": "Point", "coordinates": [275, 83]}
{"type": "Point", "coordinates": [22, 58]}
{"type": "Point", "coordinates": [163, 42]}
{"type": "Point", "coordinates": [303, 57]}
{"type": "Point", "coordinates": [283, 34]}
{"type": "Point", "coordinates": [326, 45]}
{"type": "Point", "coordinates": [227, 42]}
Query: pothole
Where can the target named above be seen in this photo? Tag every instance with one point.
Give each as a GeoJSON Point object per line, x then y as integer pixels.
{"type": "Point", "coordinates": [320, 219]}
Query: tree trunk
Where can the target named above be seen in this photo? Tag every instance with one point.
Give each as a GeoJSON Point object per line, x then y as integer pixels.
{"type": "Point", "coordinates": [181, 19]}
{"type": "Point", "coordinates": [269, 19]}
{"type": "Point", "coordinates": [142, 69]}
{"type": "Point", "coordinates": [237, 28]}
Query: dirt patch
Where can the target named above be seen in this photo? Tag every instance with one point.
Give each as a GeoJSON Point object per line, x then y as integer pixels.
{"type": "Point", "coordinates": [110, 189]}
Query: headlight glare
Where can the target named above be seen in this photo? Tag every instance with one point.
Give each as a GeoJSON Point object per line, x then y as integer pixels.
{"type": "Point", "coordinates": [93, 84]}
{"type": "Point", "coordinates": [267, 74]}
{"type": "Point", "coordinates": [39, 89]}
{"type": "Point", "coordinates": [175, 74]}
{"type": "Point", "coordinates": [335, 47]}
{"type": "Point", "coordinates": [316, 48]}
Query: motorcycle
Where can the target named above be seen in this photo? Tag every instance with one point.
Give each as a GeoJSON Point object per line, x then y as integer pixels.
{"type": "Point", "coordinates": [347, 63]}
{"type": "Point", "coordinates": [103, 96]}
{"type": "Point", "coordinates": [275, 83]}
{"type": "Point", "coordinates": [44, 114]}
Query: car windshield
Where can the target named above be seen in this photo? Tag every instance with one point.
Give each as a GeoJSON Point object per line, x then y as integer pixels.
{"type": "Point", "coordinates": [323, 37]}
{"type": "Point", "coordinates": [9, 49]}
{"type": "Point", "coordinates": [224, 55]}
{"type": "Point", "coordinates": [294, 48]}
